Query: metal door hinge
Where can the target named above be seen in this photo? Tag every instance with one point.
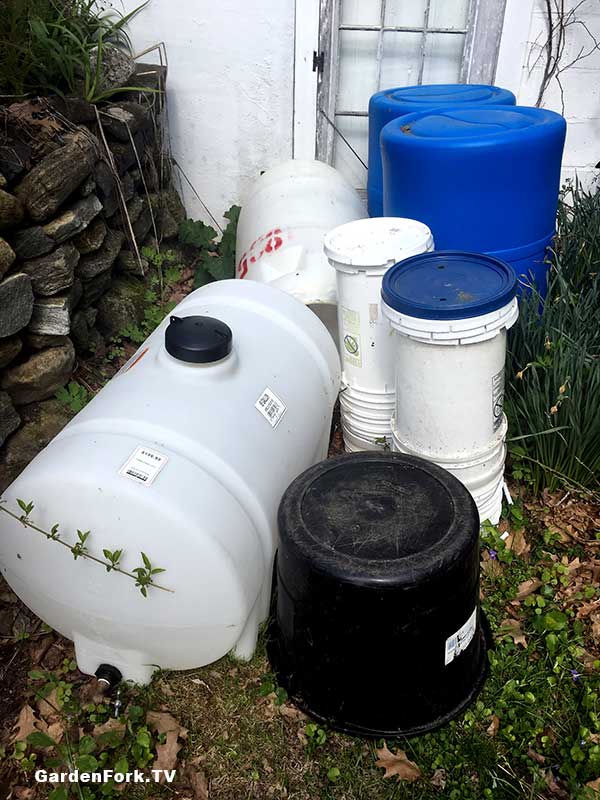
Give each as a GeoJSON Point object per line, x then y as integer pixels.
{"type": "Point", "coordinates": [318, 62]}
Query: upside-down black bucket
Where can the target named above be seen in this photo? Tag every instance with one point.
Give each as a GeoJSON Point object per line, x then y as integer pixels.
{"type": "Point", "coordinates": [377, 629]}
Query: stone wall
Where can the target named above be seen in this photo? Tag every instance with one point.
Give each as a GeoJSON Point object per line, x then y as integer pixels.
{"type": "Point", "coordinates": [82, 189]}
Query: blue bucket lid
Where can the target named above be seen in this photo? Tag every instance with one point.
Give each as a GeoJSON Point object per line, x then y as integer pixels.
{"type": "Point", "coordinates": [449, 284]}
{"type": "Point", "coordinates": [434, 95]}
{"type": "Point", "coordinates": [484, 124]}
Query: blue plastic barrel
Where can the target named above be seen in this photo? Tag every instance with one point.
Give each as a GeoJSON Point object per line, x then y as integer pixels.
{"type": "Point", "coordinates": [483, 179]}
{"type": "Point", "coordinates": [391, 103]}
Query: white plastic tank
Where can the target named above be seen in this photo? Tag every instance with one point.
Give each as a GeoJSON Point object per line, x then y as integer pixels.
{"type": "Point", "coordinates": [183, 456]}
{"type": "Point", "coordinates": [361, 252]}
{"type": "Point", "coordinates": [281, 227]}
{"type": "Point", "coordinates": [451, 311]}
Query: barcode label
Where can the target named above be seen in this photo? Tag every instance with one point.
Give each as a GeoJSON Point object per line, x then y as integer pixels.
{"type": "Point", "coordinates": [143, 465]}
{"type": "Point", "coordinates": [459, 641]}
{"type": "Point", "coordinates": [271, 407]}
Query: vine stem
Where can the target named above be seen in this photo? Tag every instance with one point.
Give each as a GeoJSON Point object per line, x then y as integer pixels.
{"type": "Point", "coordinates": [27, 523]}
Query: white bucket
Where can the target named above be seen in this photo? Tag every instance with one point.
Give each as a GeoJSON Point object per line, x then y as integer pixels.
{"type": "Point", "coordinates": [450, 371]}
{"type": "Point", "coordinates": [356, 444]}
{"type": "Point", "coordinates": [281, 227]}
{"type": "Point", "coordinates": [361, 252]}
{"type": "Point", "coordinates": [186, 462]}
{"type": "Point", "coordinates": [482, 475]}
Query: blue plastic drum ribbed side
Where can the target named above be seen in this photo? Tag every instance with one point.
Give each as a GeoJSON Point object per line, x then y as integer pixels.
{"type": "Point", "coordinates": [392, 103]}
{"type": "Point", "coordinates": [483, 179]}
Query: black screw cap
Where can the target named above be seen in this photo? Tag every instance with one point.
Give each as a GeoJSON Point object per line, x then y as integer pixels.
{"type": "Point", "coordinates": [109, 674]}
{"type": "Point", "coordinates": [198, 340]}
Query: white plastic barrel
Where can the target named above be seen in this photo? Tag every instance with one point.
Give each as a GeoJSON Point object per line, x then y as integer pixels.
{"type": "Point", "coordinates": [361, 252]}
{"type": "Point", "coordinates": [451, 311]}
{"type": "Point", "coordinates": [186, 462]}
{"type": "Point", "coordinates": [281, 227]}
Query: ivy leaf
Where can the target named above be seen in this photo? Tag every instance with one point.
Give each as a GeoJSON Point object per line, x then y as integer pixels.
{"type": "Point", "coordinates": [86, 763]}
{"type": "Point", "coordinates": [39, 739]}
{"type": "Point", "coordinates": [86, 745]}
{"type": "Point", "coordinates": [555, 621]}
{"type": "Point", "coordinates": [196, 234]}
{"type": "Point", "coordinates": [60, 793]}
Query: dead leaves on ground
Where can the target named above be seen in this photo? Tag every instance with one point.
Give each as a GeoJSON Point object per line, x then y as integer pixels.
{"type": "Point", "coordinates": [26, 724]}
{"type": "Point", "coordinates": [166, 753]}
{"type": "Point", "coordinates": [573, 519]}
{"type": "Point", "coordinates": [397, 764]}
{"type": "Point", "coordinates": [527, 587]}
{"type": "Point", "coordinates": [512, 628]}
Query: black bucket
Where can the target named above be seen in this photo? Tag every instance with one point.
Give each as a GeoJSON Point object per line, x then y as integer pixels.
{"type": "Point", "coordinates": [377, 629]}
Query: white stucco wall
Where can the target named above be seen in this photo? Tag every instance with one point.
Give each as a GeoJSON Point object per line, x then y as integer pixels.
{"type": "Point", "coordinates": [525, 30]}
{"type": "Point", "coordinates": [230, 89]}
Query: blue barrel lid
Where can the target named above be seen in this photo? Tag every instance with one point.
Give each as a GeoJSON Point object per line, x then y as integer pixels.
{"type": "Point", "coordinates": [486, 124]}
{"type": "Point", "coordinates": [449, 284]}
{"type": "Point", "coordinates": [441, 94]}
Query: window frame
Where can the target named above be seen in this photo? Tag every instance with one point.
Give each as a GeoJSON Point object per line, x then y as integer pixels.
{"type": "Point", "coordinates": [483, 33]}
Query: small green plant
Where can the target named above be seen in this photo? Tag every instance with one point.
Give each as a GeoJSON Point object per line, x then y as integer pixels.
{"type": "Point", "coordinates": [91, 738]}
{"type": "Point", "coordinates": [214, 260]}
{"type": "Point", "coordinates": [74, 396]}
{"type": "Point", "coordinates": [269, 686]}
{"type": "Point", "coordinates": [143, 576]}
{"type": "Point", "coordinates": [315, 736]}
{"type": "Point", "coordinates": [164, 272]}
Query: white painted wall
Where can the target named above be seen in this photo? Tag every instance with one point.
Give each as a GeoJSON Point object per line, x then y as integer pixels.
{"type": "Point", "coordinates": [230, 89]}
{"type": "Point", "coordinates": [524, 33]}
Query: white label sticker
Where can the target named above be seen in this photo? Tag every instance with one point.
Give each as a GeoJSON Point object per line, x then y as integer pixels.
{"type": "Point", "coordinates": [498, 398]}
{"type": "Point", "coordinates": [351, 332]}
{"type": "Point", "coordinates": [459, 641]}
{"type": "Point", "coordinates": [271, 407]}
{"type": "Point", "coordinates": [143, 465]}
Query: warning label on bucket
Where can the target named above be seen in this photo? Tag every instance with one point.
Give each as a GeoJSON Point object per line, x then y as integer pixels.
{"type": "Point", "coordinates": [498, 398]}
{"type": "Point", "coordinates": [143, 465]}
{"type": "Point", "coordinates": [460, 640]}
{"type": "Point", "coordinates": [351, 334]}
{"type": "Point", "coordinates": [271, 407]}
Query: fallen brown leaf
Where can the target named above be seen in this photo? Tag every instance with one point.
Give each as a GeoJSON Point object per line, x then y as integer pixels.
{"type": "Point", "coordinates": [493, 727]}
{"type": "Point", "coordinates": [594, 786]}
{"type": "Point", "coordinates": [585, 609]}
{"type": "Point", "coordinates": [438, 779]}
{"type": "Point", "coordinates": [49, 707]}
{"type": "Point", "coordinates": [27, 724]}
{"type": "Point", "coordinates": [291, 712]}
{"type": "Point", "coordinates": [528, 587]}
{"type": "Point", "coordinates": [197, 782]}
{"type": "Point", "coordinates": [554, 788]}
{"type": "Point", "coordinates": [56, 731]}
{"type": "Point", "coordinates": [397, 764]}
{"type": "Point", "coordinates": [163, 722]}
{"type": "Point", "coordinates": [516, 542]}
{"type": "Point", "coordinates": [536, 756]}
{"type": "Point", "coordinates": [166, 754]}
{"type": "Point", "coordinates": [108, 726]}
{"type": "Point", "coordinates": [512, 628]}
{"type": "Point", "coordinates": [491, 566]}
{"type": "Point", "coordinates": [22, 793]}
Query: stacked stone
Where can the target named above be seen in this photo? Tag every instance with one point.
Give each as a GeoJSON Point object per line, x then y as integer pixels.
{"type": "Point", "coordinates": [69, 278]}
